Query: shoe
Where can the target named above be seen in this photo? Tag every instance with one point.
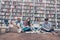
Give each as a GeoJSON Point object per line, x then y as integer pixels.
{"type": "Point", "coordinates": [19, 30]}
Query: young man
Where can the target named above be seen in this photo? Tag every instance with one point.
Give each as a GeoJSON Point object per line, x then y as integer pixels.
{"type": "Point", "coordinates": [18, 24]}
{"type": "Point", "coordinates": [47, 27]}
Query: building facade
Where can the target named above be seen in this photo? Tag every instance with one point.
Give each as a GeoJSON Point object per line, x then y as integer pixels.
{"type": "Point", "coordinates": [31, 8]}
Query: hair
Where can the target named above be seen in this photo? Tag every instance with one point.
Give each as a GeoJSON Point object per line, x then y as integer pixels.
{"type": "Point", "coordinates": [46, 19]}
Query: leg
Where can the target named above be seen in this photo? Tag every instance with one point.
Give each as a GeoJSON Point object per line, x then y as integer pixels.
{"type": "Point", "coordinates": [44, 30]}
{"type": "Point", "coordinates": [53, 32]}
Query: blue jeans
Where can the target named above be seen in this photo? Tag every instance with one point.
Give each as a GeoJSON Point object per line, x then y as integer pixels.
{"type": "Point", "coordinates": [35, 28]}
{"type": "Point", "coordinates": [26, 29]}
{"type": "Point", "coordinates": [47, 30]}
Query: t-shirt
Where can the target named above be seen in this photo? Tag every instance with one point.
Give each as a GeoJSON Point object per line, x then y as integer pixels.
{"type": "Point", "coordinates": [46, 26]}
{"type": "Point", "coordinates": [36, 24]}
{"type": "Point", "coordinates": [19, 23]}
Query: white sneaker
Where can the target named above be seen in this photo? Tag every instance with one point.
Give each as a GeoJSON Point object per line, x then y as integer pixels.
{"type": "Point", "coordinates": [33, 32]}
{"type": "Point", "coordinates": [19, 30]}
{"type": "Point", "coordinates": [27, 32]}
{"type": "Point", "coordinates": [37, 31]}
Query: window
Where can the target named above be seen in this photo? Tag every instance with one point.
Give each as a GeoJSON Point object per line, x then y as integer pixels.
{"type": "Point", "coordinates": [44, 1]}
{"type": "Point", "coordinates": [31, 0]}
{"type": "Point", "coordinates": [28, 0]}
{"type": "Point", "coordinates": [40, 0]}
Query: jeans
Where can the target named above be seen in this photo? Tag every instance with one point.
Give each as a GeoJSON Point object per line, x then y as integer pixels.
{"type": "Point", "coordinates": [47, 30]}
{"type": "Point", "coordinates": [35, 28]}
{"type": "Point", "coordinates": [26, 29]}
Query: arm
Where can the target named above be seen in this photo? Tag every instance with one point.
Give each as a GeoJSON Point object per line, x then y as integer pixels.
{"type": "Point", "coordinates": [15, 25]}
{"type": "Point", "coordinates": [51, 26]}
{"type": "Point", "coordinates": [43, 26]}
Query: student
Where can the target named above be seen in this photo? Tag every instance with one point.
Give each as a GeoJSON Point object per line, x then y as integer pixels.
{"type": "Point", "coordinates": [27, 26]}
{"type": "Point", "coordinates": [36, 25]}
{"type": "Point", "coordinates": [6, 21]}
{"type": "Point", "coordinates": [18, 24]}
{"type": "Point", "coordinates": [47, 26]}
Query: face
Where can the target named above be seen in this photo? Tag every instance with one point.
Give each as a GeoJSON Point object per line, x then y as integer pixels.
{"type": "Point", "coordinates": [46, 22]}
{"type": "Point", "coordinates": [19, 19]}
{"type": "Point", "coordinates": [28, 19]}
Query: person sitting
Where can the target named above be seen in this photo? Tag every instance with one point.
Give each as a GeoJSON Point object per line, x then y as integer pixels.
{"type": "Point", "coordinates": [22, 26]}
{"type": "Point", "coordinates": [47, 27]}
{"type": "Point", "coordinates": [18, 24]}
{"type": "Point", "coordinates": [36, 25]}
{"type": "Point", "coordinates": [27, 26]}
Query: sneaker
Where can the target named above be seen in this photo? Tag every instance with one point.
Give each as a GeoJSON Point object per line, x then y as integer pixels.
{"type": "Point", "coordinates": [37, 31]}
{"type": "Point", "coordinates": [33, 32]}
{"type": "Point", "coordinates": [19, 30]}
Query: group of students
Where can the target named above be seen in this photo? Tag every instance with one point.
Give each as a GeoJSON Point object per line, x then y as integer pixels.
{"type": "Point", "coordinates": [27, 25]}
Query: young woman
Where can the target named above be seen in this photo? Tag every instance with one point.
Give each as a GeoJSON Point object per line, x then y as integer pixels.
{"type": "Point", "coordinates": [36, 25]}
{"type": "Point", "coordinates": [27, 26]}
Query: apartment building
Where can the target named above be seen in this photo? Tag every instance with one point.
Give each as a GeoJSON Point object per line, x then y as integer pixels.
{"type": "Point", "coordinates": [31, 8]}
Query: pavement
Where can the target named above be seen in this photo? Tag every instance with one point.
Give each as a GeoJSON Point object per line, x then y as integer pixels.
{"type": "Point", "coordinates": [29, 36]}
